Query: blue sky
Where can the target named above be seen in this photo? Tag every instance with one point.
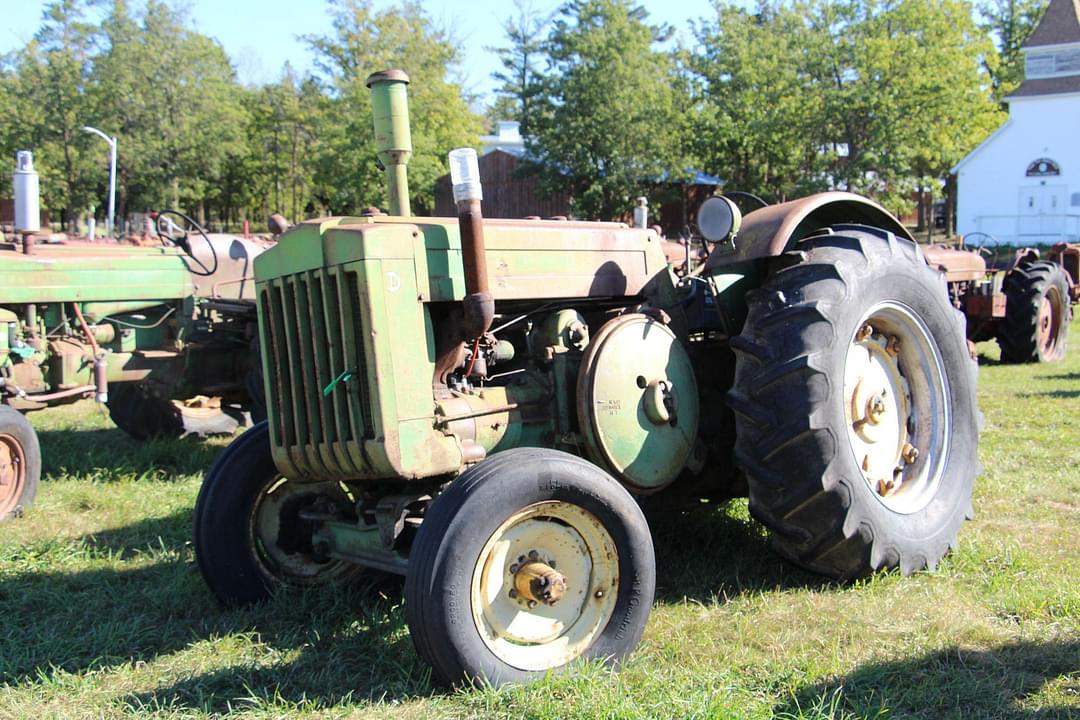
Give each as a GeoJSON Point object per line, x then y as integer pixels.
{"type": "Point", "coordinates": [260, 35]}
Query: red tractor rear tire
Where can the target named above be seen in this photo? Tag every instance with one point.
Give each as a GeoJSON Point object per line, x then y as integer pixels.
{"type": "Point", "coordinates": [1037, 314]}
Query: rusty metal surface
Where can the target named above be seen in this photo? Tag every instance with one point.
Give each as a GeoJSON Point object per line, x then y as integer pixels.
{"type": "Point", "coordinates": [978, 307]}
{"type": "Point", "coordinates": [769, 231]}
{"type": "Point", "coordinates": [12, 472]}
{"type": "Point", "coordinates": [1068, 256]}
{"type": "Point", "coordinates": [958, 265]}
{"type": "Point", "coordinates": [233, 276]}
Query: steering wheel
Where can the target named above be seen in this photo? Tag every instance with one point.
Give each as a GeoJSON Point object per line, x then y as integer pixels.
{"type": "Point", "coordinates": [171, 234]}
{"type": "Point", "coordinates": [980, 245]}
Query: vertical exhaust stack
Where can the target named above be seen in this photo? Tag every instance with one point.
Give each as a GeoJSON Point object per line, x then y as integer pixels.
{"type": "Point", "coordinates": [478, 305]}
{"type": "Point", "coordinates": [27, 199]}
{"type": "Point", "coordinates": [393, 141]}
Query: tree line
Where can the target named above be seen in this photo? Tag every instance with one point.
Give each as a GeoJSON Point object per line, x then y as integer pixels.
{"type": "Point", "coordinates": [779, 99]}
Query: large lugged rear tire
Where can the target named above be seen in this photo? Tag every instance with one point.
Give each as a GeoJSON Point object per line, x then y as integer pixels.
{"type": "Point", "coordinates": [20, 463]}
{"type": "Point", "coordinates": [854, 396]}
{"type": "Point", "coordinates": [521, 510]}
{"type": "Point", "coordinates": [250, 537]}
{"type": "Point", "coordinates": [1037, 314]}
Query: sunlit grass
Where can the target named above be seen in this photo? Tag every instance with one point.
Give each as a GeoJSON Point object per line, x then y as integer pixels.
{"type": "Point", "coordinates": [106, 616]}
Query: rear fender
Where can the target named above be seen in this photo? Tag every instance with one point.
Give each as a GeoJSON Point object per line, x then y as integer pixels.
{"type": "Point", "coordinates": [772, 230]}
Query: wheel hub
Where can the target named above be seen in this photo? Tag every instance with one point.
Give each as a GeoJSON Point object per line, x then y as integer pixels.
{"type": "Point", "coordinates": [896, 404]}
{"type": "Point", "coordinates": [545, 585]}
{"type": "Point", "coordinates": [536, 581]}
{"type": "Point", "coordinates": [879, 404]}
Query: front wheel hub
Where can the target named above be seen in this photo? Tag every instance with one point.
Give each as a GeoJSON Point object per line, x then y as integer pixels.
{"type": "Point", "coordinates": [530, 614]}
{"type": "Point", "coordinates": [537, 582]}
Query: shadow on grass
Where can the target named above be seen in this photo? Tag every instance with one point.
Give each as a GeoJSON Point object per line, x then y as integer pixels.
{"type": "Point", "coordinates": [1057, 394]}
{"type": "Point", "coordinates": [1063, 376]}
{"type": "Point", "coordinates": [952, 683]}
{"type": "Point", "coordinates": [322, 647]}
{"type": "Point", "coordinates": [343, 645]}
{"type": "Point", "coordinates": [112, 453]}
{"type": "Point", "coordinates": [712, 554]}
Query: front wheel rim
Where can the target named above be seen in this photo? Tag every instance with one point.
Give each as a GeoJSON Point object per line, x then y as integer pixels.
{"type": "Point", "coordinates": [534, 636]}
{"type": "Point", "coordinates": [12, 472]}
{"type": "Point", "coordinates": [896, 402]}
{"type": "Point", "coordinates": [280, 540]}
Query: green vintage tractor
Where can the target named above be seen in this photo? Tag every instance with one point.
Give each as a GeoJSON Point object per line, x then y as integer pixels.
{"type": "Point", "coordinates": [483, 405]}
{"type": "Point", "coordinates": [161, 334]}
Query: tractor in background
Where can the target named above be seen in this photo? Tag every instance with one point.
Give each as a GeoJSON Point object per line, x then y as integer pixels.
{"type": "Point", "coordinates": [1025, 304]}
{"type": "Point", "coordinates": [481, 406]}
{"type": "Point", "coordinates": [163, 334]}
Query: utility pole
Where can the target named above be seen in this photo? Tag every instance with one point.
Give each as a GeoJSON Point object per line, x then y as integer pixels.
{"type": "Point", "coordinates": [112, 174]}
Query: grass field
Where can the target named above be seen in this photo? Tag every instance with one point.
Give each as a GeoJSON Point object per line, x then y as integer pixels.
{"type": "Point", "coordinates": [105, 615]}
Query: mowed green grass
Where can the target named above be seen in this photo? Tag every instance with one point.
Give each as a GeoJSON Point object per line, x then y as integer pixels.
{"type": "Point", "coordinates": [104, 613]}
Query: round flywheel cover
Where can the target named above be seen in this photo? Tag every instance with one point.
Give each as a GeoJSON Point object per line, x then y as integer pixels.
{"type": "Point", "coordinates": [638, 402]}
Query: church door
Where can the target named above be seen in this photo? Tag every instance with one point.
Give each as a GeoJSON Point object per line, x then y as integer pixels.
{"type": "Point", "coordinates": [1042, 210]}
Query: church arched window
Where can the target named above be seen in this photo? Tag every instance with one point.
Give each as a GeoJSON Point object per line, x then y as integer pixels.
{"type": "Point", "coordinates": [1042, 168]}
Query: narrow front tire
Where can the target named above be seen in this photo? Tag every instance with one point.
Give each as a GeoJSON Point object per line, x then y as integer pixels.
{"type": "Point", "coordinates": [529, 516]}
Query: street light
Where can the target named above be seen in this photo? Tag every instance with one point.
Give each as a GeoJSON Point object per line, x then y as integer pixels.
{"type": "Point", "coordinates": [112, 173]}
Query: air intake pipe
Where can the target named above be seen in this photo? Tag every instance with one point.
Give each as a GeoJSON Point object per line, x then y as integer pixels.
{"type": "Point", "coordinates": [478, 306]}
{"type": "Point", "coordinates": [393, 141]}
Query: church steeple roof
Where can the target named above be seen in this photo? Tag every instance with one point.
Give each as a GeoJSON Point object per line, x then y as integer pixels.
{"type": "Point", "coordinates": [1060, 25]}
{"type": "Point", "coordinates": [1051, 55]}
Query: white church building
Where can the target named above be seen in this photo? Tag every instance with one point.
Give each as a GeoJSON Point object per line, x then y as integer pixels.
{"type": "Point", "coordinates": [1022, 185]}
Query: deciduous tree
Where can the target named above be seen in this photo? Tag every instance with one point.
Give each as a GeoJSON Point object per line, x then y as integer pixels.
{"type": "Point", "coordinates": [611, 117]}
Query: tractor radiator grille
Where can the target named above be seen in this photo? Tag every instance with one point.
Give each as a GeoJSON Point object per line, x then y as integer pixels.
{"type": "Point", "coordinates": [315, 333]}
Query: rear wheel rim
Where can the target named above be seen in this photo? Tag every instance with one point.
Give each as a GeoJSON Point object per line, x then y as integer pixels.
{"type": "Point", "coordinates": [896, 403]}
{"type": "Point", "coordinates": [1049, 322]}
{"type": "Point", "coordinates": [535, 636]}
{"type": "Point", "coordinates": [12, 472]}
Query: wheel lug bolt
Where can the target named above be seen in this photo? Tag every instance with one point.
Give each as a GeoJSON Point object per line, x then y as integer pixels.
{"type": "Point", "coordinates": [514, 568]}
{"type": "Point", "coordinates": [893, 346]}
{"type": "Point", "coordinates": [910, 453]}
{"type": "Point", "coordinates": [533, 555]}
{"type": "Point", "coordinates": [864, 332]}
{"type": "Point", "coordinates": [532, 604]}
{"type": "Point", "coordinates": [513, 594]}
{"type": "Point", "coordinates": [521, 558]}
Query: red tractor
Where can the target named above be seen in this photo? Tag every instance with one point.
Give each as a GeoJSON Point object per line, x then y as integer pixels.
{"type": "Point", "coordinates": [1025, 304]}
